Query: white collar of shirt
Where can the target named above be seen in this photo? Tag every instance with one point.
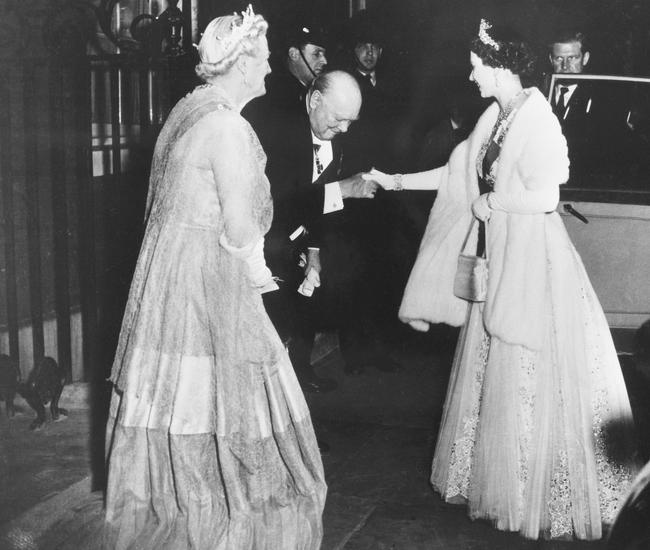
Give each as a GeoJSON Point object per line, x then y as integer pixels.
{"type": "Point", "coordinates": [567, 96]}
{"type": "Point", "coordinates": [325, 155]}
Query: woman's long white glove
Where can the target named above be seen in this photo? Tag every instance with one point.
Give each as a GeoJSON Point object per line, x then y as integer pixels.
{"type": "Point", "coordinates": [387, 181]}
{"type": "Point", "coordinates": [259, 274]}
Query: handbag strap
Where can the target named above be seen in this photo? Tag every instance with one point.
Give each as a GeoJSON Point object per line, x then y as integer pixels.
{"type": "Point", "coordinates": [469, 232]}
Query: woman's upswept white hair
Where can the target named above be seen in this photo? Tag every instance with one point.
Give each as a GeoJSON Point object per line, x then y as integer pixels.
{"type": "Point", "coordinates": [227, 38]}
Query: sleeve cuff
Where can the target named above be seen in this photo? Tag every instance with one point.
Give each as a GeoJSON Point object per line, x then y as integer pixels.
{"type": "Point", "coordinates": [243, 252]}
{"type": "Point", "coordinates": [333, 198]}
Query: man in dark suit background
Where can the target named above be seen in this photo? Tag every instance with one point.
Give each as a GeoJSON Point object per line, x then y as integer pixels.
{"type": "Point", "coordinates": [365, 144]}
{"type": "Point", "coordinates": [596, 121]}
{"type": "Point", "coordinates": [375, 225]}
{"type": "Point", "coordinates": [304, 168]}
{"type": "Point", "coordinates": [300, 56]}
{"type": "Point", "coordinates": [573, 101]}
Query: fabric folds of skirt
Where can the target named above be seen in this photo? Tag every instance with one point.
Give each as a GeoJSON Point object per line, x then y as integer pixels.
{"type": "Point", "coordinates": [526, 436]}
{"type": "Point", "coordinates": [176, 480]}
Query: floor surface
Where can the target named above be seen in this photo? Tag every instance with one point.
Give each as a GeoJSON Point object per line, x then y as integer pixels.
{"type": "Point", "coordinates": [381, 428]}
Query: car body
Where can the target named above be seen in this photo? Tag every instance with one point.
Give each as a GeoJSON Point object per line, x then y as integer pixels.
{"type": "Point", "coordinates": [606, 202]}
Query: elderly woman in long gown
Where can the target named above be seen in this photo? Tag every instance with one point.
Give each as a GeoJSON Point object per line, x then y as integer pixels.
{"type": "Point", "coordinates": [536, 389]}
{"type": "Point", "coordinates": [210, 443]}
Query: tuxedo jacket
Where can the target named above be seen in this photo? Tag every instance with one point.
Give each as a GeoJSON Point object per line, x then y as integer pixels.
{"type": "Point", "coordinates": [299, 202]}
{"type": "Point", "coordinates": [578, 122]}
{"type": "Point", "coordinates": [296, 199]}
{"type": "Point", "coordinates": [597, 135]}
{"type": "Point", "coordinates": [365, 142]}
{"type": "Point", "coordinates": [371, 95]}
{"type": "Point", "coordinates": [579, 112]}
{"type": "Point", "coordinates": [284, 92]}
{"type": "Point", "coordinates": [281, 122]}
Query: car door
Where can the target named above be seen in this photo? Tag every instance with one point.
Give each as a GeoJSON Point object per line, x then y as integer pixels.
{"type": "Point", "coordinates": [606, 202]}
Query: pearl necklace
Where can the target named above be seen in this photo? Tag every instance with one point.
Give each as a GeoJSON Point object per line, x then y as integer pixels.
{"type": "Point", "coordinates": [500, 130]}
{"type": "Point", "coordinates": [503, 120]}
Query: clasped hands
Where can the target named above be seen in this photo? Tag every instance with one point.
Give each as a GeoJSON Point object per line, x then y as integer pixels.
{"type": "Point", "coordinates": [389, 182]}
{"type": "Point", "coordinates": [364, 185]}
{"type": "Point", "coordinates": [358, 187]}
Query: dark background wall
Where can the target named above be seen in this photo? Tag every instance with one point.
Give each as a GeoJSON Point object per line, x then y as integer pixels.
{"type": "Point", "coordinates": [88, 227]}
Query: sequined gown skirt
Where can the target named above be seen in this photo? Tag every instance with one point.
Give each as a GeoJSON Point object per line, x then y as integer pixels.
{"type": "Point", "coordinates": [537, 441]}
{"type": "Point", "coordinates": [209, 441]}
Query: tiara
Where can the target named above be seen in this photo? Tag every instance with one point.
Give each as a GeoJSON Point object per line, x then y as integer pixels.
{"type": "Point", "coordinates": [483, 35]}
{"type": "Point", "coordinates": [238, 32]}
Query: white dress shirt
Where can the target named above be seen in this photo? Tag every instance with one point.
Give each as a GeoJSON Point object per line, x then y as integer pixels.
{"type": "Point", "coordinates": [567, 96]}
{"type": "Point", "coordinates": [571, 88]}
{"type": "Point", "coordinates": [333, 197]}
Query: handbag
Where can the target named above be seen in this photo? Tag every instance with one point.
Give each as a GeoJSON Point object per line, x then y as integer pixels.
{"type": "Point", "coordinates": [470, 282]}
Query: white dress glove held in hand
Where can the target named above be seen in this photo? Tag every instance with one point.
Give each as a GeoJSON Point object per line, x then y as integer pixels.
{"type": "Point", "coordinates": [310, 283]}
{"type": "Point", "coordinates": [259, 274]}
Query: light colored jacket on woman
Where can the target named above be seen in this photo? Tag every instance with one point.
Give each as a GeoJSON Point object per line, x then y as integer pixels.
{"type": "Point", "coordinates": [523, 233]}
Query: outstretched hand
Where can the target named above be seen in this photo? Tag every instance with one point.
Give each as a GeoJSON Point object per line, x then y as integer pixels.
{"type": "Point", "coordinates": [387, 181]}
{"type": "Point", "coordinates": [357, 187]}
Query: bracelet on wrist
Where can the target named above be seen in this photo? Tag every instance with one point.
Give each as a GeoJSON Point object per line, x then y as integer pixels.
{"type": "Point", "coordinates": [397, 179]}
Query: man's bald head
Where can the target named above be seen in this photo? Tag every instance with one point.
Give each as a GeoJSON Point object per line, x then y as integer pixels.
{"type": "Point", "coordinates": [334, 103]}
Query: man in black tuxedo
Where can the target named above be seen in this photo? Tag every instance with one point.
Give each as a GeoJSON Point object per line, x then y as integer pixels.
{"type": "Point", "coordinates": [304, 166]}
{"type": "Point", "coordinates": [278, 118]}
{"type": "Point", "coordinates": [595, 121]}
{"type": "Point", "coordinates": [573, 101]}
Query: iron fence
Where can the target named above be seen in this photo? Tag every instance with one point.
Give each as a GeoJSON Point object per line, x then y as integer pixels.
{"type": "Point", "coordinates": [76, 137]}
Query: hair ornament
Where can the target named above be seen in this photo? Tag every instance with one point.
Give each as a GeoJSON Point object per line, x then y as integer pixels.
{"type": "Point", "coordinates": [483, 35]}
{"type": "Point", "coordinates": [238, 32]}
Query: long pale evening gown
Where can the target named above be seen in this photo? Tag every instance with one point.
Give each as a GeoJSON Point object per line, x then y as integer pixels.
{"type": "Point", "coordinates": [536, 422]}
{"type": "Point", "coordinates": [210, 443]}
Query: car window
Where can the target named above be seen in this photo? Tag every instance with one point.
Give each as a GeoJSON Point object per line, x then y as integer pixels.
{"type": "Point", "coordinates": [606, 121]}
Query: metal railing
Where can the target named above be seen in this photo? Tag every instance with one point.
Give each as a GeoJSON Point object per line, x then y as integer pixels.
{"type": "Point", "coordinates": [76, 138]}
